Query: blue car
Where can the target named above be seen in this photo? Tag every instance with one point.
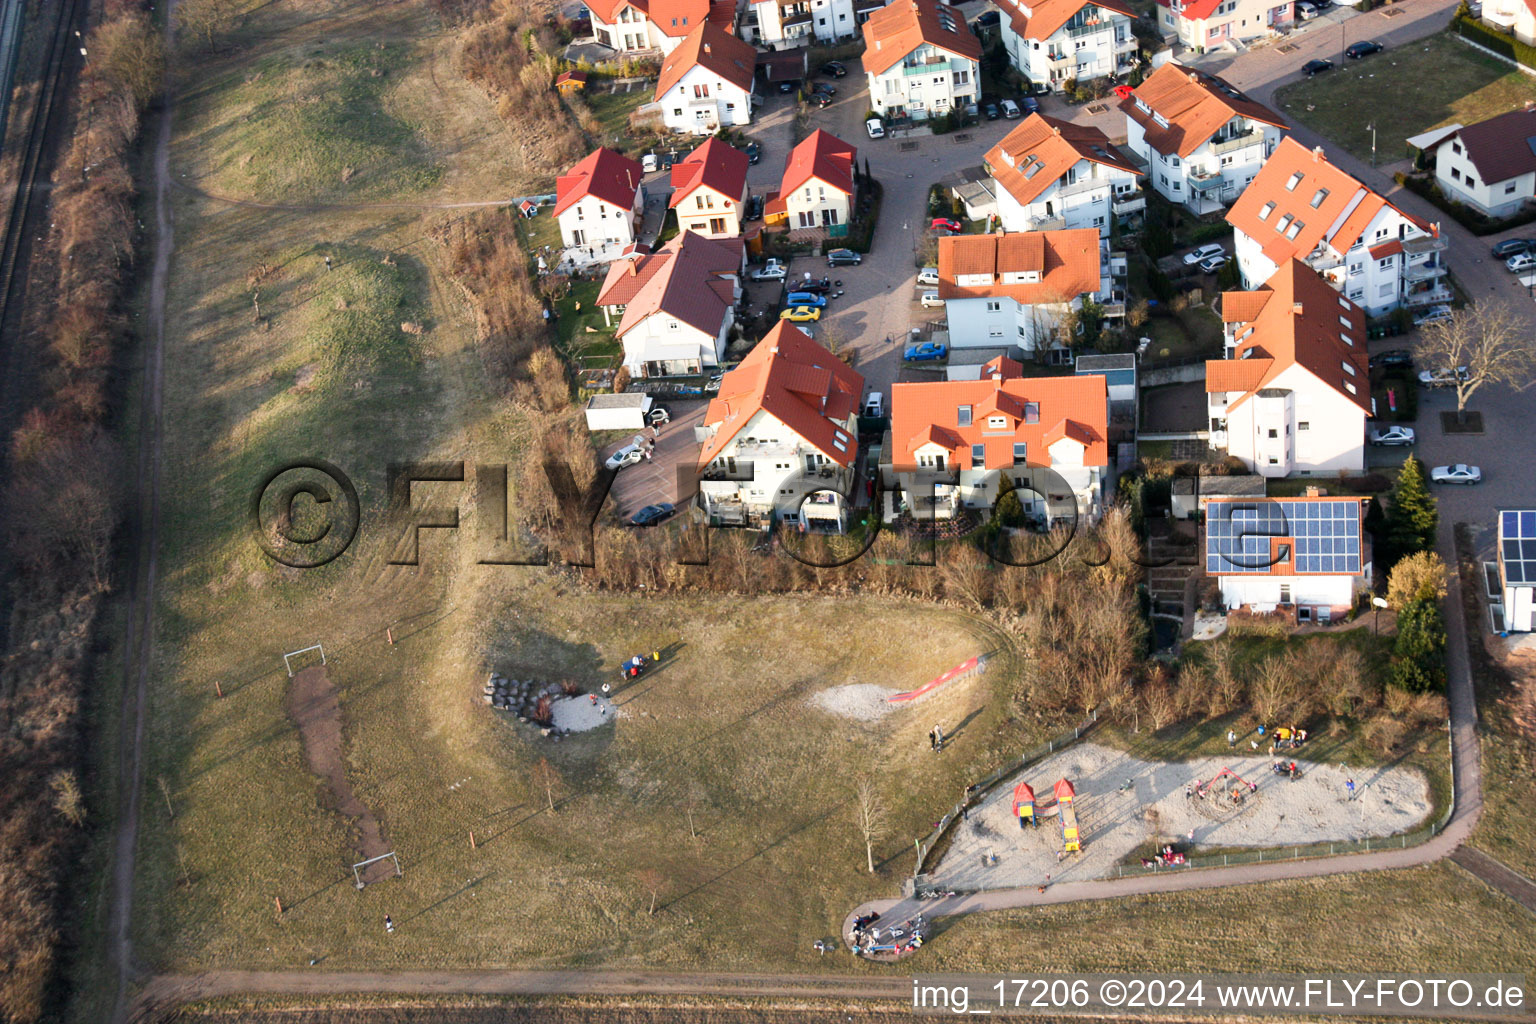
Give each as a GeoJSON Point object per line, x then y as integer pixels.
{"type": "Point", "coordinates": [805, 299]}
{"type": "Point", "coordinates": [652, 514]}
{"type": "Point", "coordinates": [927, 350]}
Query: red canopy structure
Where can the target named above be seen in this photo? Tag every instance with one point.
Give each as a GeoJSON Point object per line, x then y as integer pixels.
{"type": "Point", "coordinates": [1064, 791]}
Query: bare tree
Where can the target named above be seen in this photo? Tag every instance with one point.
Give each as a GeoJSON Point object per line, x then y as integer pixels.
{"type": "Point", "coordinates": [548, 779]}
{"type": "Point", "coordinates": [207, 20]}
{"type": "Point", "coordinates": [967, 576]}
{"type": "Point", "coordinates": [872, 819]}
{"type": "Point", "coordinates": [1275, 689]}
{"type": "Point", "coordinates": [1493, 342]}
{"type": "Point", "coordinates": [652, 880]}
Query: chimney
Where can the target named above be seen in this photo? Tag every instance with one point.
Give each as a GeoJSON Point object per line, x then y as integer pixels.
{"type": "Point", "coordinates": [633, 270]}
{"type": "Point", "coordinates": [1317, 154]}
{"type": "Point", "coordinates": [1296, 308]}
{"type": "Point", "coordinates": [706, 47]}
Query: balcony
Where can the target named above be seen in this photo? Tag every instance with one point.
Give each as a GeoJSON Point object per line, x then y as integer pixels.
{"type": "Point", "coordinates": [1322, 259]}
{"type": "Point", "coordinates": [1205, 181]}
{"type": "Point", "coordinates": [1423, 244]}
{"type": "Point", "coordinates": [1083, 185]}
{"type": "Point", "coordinates": [1047, 224]}
{"type": "Point", "coordinates": [1090, 29]}
{"type": "Point", "coordinates": [1057, 58]}
{"type": "Point", "coordinates": [1236, 142]}
{"type": "Point", "coordinates": [793, 19]}
{"type": "Point", "coordinates": [1428, 270]}
{"type": "Point", "coordinates": [1129, 204]}
{"type": "Point", "coordinates": [1428, 297]}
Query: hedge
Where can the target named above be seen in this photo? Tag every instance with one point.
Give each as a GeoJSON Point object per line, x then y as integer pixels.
{"type": "Point", "coordinates": [1473, 220]}
{"type": "Point", "coordinates": [1498, 42]}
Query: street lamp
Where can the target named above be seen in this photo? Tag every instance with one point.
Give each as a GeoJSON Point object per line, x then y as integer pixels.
{"type": "Point", "coordinates": [1379, 603]}
{"type": "Point", "coordinates": [1372, 127]}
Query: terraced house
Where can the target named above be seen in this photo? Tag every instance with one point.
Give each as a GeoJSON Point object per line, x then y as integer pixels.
{"type": "Point", "coordinates": [1300, 206]}
{"type": "Point", "coordinates": [1052, 175]}
{"type": "Point", "coordinates": [1200, 141]}
{"type": "Point", "coordinates": [921, 60]}
{"type": "Point", "coordinates": [959, 444]}
{"type": "Point", "coordinates": [1053, 41]}
{"type": "Point", "coordinates": [1294, 393]}
{"type": "Point", "coordinates": [785, 24]}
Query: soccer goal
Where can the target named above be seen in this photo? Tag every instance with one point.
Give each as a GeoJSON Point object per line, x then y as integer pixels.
{"type": "Point", "coordinates": [304, 662]}
{"type": "Point", "coordinates": [357, 869]}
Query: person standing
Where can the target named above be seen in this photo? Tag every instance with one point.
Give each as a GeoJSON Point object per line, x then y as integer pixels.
{"type": "Point", "coordinates": [1349, 785]}
{"type": "Point", "coordinates": [389, 926]}
{"type": "Point", "coordinates": [933, 742]}
{"type": "Point", "coordinates": [938, 735]}
{"type": "Point", "coordinates": [1231, 738]}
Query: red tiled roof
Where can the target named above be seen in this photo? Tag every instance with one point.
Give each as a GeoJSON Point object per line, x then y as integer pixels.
{"type": "Point", "coordinates": [1067, 262]}
{"type": "Point", "coordinates": [1501, 147]}
{"type": "Point", "coordinates": [1034, 156]}
{"type": "Point", "coordinates": [713, 165]}
{"type": "Point", "coordinates": [1194, 10]}
{"type": "Point", "coordinates": [611, 177]}
{"type": "Point", "coordinates": [1074, 407]}
{"type": "Point", "coordinates": [822, 156]}
{"type": "Point", "coordinates": [1039, 19]}
{"type": "Point", "coordinates": [687, 278]}
{"type": "Point", "coordinates": [795, 380]}
{"type": "Point", "coordinates": [1195, 105]}
{"type": "Point", "coordinates": [1381, 252]}
{"type": "Point", "coordinates": [713, 48]}
{"type": "Point", "coordinates": [1240, 307]}
{"type": "Point", "coordinates": [1331, 205]}
{"type": "Point", "coordinates": [894, 31]}
{"type": "Point", "coordinates": [1304, 322]}
{"type": "Point", "coordinates": [571, 76]}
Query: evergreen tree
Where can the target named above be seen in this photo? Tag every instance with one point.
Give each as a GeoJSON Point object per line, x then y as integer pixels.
{"type": "Point", "coordinates": [1418, 656]}
{"type": "Point", "coordinates": [1413, 517]}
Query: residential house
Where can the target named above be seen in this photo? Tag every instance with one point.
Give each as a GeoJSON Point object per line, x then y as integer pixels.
{"type": "Point", "coordinates": [816, 194]}
{"type": "Point", "coordinates": [1309, 556]}
{"type": "Point", "coordinates": [960, 444]}
{"type": "Point", "coordinates": [1200, 140]}
{"type": "Point", "coordinates": [709, 190]}
{"type": "Point", "coordinates": [780, 440]}
{"type": "Point", "coordinates": [1517, 17]}
{"type": "Point", "coordinates": [1205, 24]}
{"type": "Point", "coordinates": [786, 24]}
{"type": "Point", "coordinates": [647, 26]}
{"type": "Point", "coordinates": [1052, 174]}
{"type": "Point", "coordinates": [1491, 165]}
{"type": "Point", "coordinates": [1294, 393]}
{"type": "Point", "coordinates": [1517, 571]}
{"type": "Point", "coordinates": [675, 307]}
{"type": "Point", "coordinates": [921, 60]}
{"type": "Point", "coordinates": [1054, 41]}
{"type": "Point", "coordinates": [599, 204]}
{"type": "Point", "coordinates": [1300, 206]}
{"type": "Point", "coordinates": [1013, 290]}
{"type": "Point", "coordinates": [706, 82]}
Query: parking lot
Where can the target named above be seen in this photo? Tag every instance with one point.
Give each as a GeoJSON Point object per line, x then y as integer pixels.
{"type": "Point", "coordinates": [669, 474]}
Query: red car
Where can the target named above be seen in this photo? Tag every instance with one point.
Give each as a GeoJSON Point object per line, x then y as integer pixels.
{"type": "Point", "coordinates": [946, 223]}
{"type": "Point", "coordinates": [1123, 91]}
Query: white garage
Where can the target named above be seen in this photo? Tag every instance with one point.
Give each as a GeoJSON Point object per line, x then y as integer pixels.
{"type": "Point", "coordinates": [617, 412]}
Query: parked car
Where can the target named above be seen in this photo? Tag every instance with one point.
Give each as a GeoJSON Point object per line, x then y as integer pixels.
{"type": "Point", "coordinates": [753, 150]}
{"type": "Point", "coordinates": [925, 351]}
{"type": "Point", "coordinates": [626, 456]}
{"type": "Point", "coordinates": [835, 68]}
{"type": "Point", "coordinates": [788, 87]}
{"type": "Point", "coordinates": [824, 87]}
{"type": "Point", "coordinates": [1364, 48]}
{"type": "Point", "coordinates": [653, 514]}
{"type": "Point", "coordinates": [1461, 473]}
{"type": "Point", "coordinates": [874, 405]}
{"type": "Point", "coordinates": [821, 99]}
{"type": "Point", "coordinates": [813, 286]}
{"type": "Point", "coordinates": [1123, 91]}
{"type": "Point", "coordinates": [1211, 264]}
{"type": "Point", "coordinates": [1521, 263]}
{"type": "Point", "coordinates": [1393, 435]}
{"type": "Point", "coordinates": [1513, 247]}
{"type": "Point", "coordinates": [875, 128]}
{"type": "Point", "coordinates": [947, 223]}
{"type": "Point", "coordinates": [713, 384]}
{"type": "Point", "coordinates": [773, 270]}
{"type": "Point", "coordinates": [1029, 105]}
{"type": "Point", "coordinates": [651, 162]}
{"type": "Point", "coordinates": [801, 314]}
{"type": "Point", "coordinates": [1306, 12]}
{"type": "Point", "coordinates": [1432, 315]}
{"type": "Point", "coordinates": [658, 415]}
{"type": "Point", "coordinates": [754, 208]}
{"type": "Point", "coordinates": [1393, 359]}
{"type": "Point", "coordinates": [987, 19]}
{"type": "Point", "coordinates": [931, 300]}
{"type": "Point", "coordinates": [928, 275]}
{"type": "Point", "coordinates": [990, 111]}
{"type": "Point", "coordinates": [843, 258]}
{"type": "Point", "coordinates": [1316, 67]}
{"type": "Point", "coordinates": [1010, 110]}
{"type": "Point", "coordinates": [1443, 377]}
{"type": "Point", "coordinates": [799, 298]}
{"type": "Point", "coordinates": [1205, 252]}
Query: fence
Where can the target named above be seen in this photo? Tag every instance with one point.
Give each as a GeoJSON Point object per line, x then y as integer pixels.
{"type": "Point", "coordinates": [1227, 860]}
{"type": "Point", "coordinates": [979, 790]}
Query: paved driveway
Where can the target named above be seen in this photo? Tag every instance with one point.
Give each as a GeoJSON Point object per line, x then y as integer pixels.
{"type": "Point", "coordinates": [668, 475]}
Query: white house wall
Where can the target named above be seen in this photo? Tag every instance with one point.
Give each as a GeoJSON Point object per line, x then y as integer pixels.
{"type": "Point", "coordinates": [724, 103]}
{"type": "Point", "coordinates": [1262, 593]}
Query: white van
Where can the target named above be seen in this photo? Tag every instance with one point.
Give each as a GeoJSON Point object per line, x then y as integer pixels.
{"type": "Point", "coordinates": [648, 163]}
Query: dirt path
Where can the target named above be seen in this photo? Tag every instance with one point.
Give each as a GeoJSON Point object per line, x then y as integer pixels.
{"type": "Point", "coordinates": [143, 524]}
{"type": "Point", "coordinates": [315, 710]}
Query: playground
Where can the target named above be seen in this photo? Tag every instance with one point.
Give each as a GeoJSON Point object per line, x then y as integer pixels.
{"type": "Point", "coordinates": [1112, 804]}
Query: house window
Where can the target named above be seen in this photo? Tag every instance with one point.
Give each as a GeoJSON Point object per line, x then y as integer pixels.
{"type": "Point", "coordinates": [1456, 148]}
{"type": "Point", "coordinates": [1347, 368]}
{"type": "Point", "coordinates": [994, 332]}
{"type": "Point", "coordinates": [1020, 452]}
{"type": "Point", "coordinates": [1268, 209]}
{"type": "Point", "coordinates": [1346, 339]}
{"type": "Point", "coordinates": [701, 92]}
{"type": "Point", "coordinates": [1385, 264]}
{"type": "Point", "coordinates": [993, 307]}
{"type": "Point", "coordinates": [717, 225]}
{"type": "Point", "coordinates": [1303, 425]}
{"type": "Point", "coordinates": [1294, 229]}
{"type": "Point", "coordinates": [1031, 412]}
{"type": "Point", "coordinates": [978, 456]}
{"type": "Point", "coordinates": [1283, 223]}
{"type": "Point", "coordinates": [1274, 461]}
{"type": "Point", "coordinates": [1295, 179]}
{"type": "Point", "coordinates": [1285, 591]}
{"type": "Point", "coordinates": [1350, 388]}
{"type": "Point", "coordinates": [1509, 189]}
{"type": "Point", "coordinates": [1455, 174]}
{"type": "Point", "coordinates": [963, 416]}
{"type": "Point", "coordinates": [997, 422]}
{"type": "Point", "coordinates": [1272, 433]}
{"type": "Point", "coordinates": [1318, 197]}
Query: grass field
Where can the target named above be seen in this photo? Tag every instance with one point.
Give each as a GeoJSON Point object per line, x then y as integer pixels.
{"type": "Point", "coordinates": [1406, 90]}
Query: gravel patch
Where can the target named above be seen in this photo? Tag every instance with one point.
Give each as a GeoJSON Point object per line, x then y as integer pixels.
{"type": "Point", "coordinates": [581, 713]}
{"type": "Point", "coordinates": [1114, 822]}
{"type": "Point", "coordinates": [863, 702]}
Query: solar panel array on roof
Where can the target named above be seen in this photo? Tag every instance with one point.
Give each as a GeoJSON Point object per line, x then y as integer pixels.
{"type": "Point", "coordinates": [1517, 546]}
{"type": "Point", "coordinates": [1325, 535]}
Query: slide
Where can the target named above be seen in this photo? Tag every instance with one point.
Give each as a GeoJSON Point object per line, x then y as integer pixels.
{"type": "Point", "coordinates": [1028, 810]}
{"type": "Point", "coordinates": [1071, 840]}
